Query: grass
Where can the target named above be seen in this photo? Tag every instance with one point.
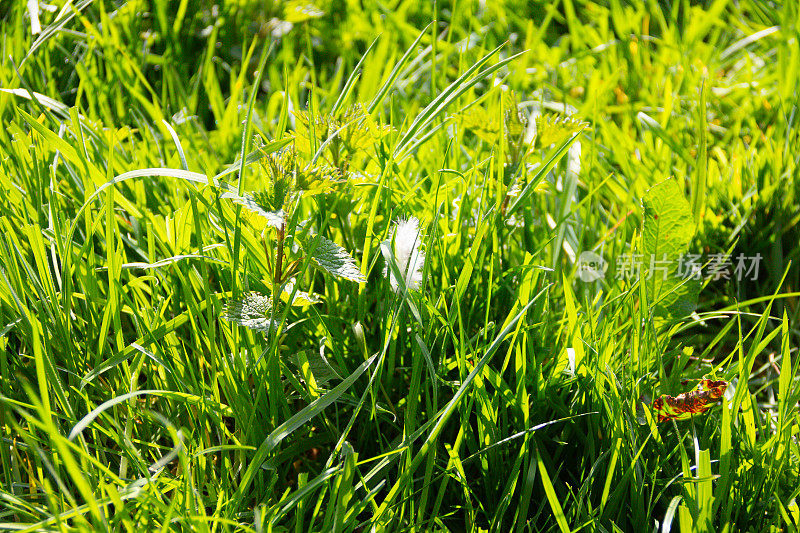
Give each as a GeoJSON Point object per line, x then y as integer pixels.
{"type": "Point", "coordinates": [503, 393]}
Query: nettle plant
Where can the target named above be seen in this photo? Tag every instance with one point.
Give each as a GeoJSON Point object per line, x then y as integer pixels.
{"type": "Point", "coordinates": [342, 140]}
{"type": "Point", "coordinates": [315, 166]}
{"type": "Point", "coordinates": [516, 141]}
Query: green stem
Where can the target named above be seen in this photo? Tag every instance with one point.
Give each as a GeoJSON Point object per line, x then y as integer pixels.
{"type": "Point", "coordinates": [277, 279]}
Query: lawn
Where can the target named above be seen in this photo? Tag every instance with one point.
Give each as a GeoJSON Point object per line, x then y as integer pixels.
{"type": "Point", "coordinates": [330, 265]}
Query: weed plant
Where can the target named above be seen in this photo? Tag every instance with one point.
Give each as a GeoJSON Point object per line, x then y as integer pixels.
{"type": "Point", "coordinates": [356, 266]}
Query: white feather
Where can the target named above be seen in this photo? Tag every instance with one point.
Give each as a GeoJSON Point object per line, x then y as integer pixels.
{"type": "Point", "coordinates": [409, 257]}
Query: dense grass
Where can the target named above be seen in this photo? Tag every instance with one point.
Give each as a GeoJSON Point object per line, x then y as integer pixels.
{"type": "Point", "coordinates": [504, 393]}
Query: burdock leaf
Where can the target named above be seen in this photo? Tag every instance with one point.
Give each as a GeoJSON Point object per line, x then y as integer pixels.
{"type": "Point", "coordinates": [335, 259]}
{"type": "Point", "coordinates": [251, 311]}
{"type": "Point", "coordinates": [259, 204]}
{"type": "Point", "coordinates": [667, 231]}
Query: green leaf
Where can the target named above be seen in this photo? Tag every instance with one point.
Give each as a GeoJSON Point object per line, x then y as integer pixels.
{"type": "Point", "coordinates": [668, 228]}
{"type": "Point", "coordinates": [296, 11]}
{"type": "Point", "coordinates": [552, 129]}
{"type": "Point", "coordinates": [252, 311]}
{"type": "Point", "coordinates": [416, 130]}
{"type": "Point", "coordinates": [84, 422]}
{"type": "Point", "coordinates": [300, 298]}
{"type": "Point", "coordinates": [534, 183]}
{"type": "Point", "coordinates": [316, 362]}
{"type": "Point", "coordinates": [59, 107]}
{"type": "Point", "coordinates": [515, 121]}
{"type": "Point", "coordinates": [318, 179]}
{"type": "Point", "coordinates": [335, 260]}
{"type": "Point", "coordinates": [700, 174]}
{"type": "Point", "coordinates": [259, 204]}
{"type": "Point", "coordinates": [550, 492]}
{"type": "Point", "coordinates": [481, 123]}
{"type": "Point", "coordinates": [353, 128]}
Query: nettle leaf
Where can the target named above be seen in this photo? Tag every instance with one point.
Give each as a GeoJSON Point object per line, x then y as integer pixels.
{"type": "Point", "coordinates": [296, 11]}
{"type": "Point", "coordinates": [318, 179]}
{"type": "Point", "coordinates": [361, 130]}
{"type": "Point", "coordinates": [311, 130]}
{"type": "Point", "coordinates": [481, 123]}
{"type": "Point", "coordinates": [301, 298]}
{"type": "Point", "coordinates": [667, 230]}
{"type": "Point", "coordinates": [279, 169]}
{"type": "Point", "coordinates": [279, 163]}
{"type": "Point", "coordinates": [551, 129]}
{"type": "Point", "coordinates": [251, 311]}
{"type": "Point", "coordinates": [515, 121]}
{"type": "Point", "coordinates": [259, 204]}
{"type": "Point", "coordinates": [321, 370]}
{"type": "Point", "coordinates": [334, 259]}
{"type": "Point", "coordinates": [354, 128]}
{"type": "Point", "coordinates": [277, 173]}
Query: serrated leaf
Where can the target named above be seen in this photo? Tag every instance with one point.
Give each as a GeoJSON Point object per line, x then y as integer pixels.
{"type": "Point", "coordinates": [361, 131]}
{"type": "Point", "coordinates": [479, 122]}
{"type": "Point", "coordinates": [301, 299]}
{"type": "Point", "coordinates": [256, 203]}
{"type": "Point", "coordinates": [279, 170]}
{"type": "Point", "coordinates": [551, 129]}
{"type": "Point", "coordinates": [354, 128]}
{"type": "Point", "coordinates": [312, 130]}
{"type": "Point", "coordinates": [335, 260]}
{"type": "Point", "coordinates": [515, 122]}
{"type": "Point", "coordinates": [299, 11]}
{"type": "Point", "coordinates": [252, 311]}
{"type": "Point", "coordinates": [667, 230]}
{"type": "Point", "coordinates": [318, 179]}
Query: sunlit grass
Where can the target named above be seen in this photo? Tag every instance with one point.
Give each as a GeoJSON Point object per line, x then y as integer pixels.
{"type": "Point", "coordinates": [379, 321]}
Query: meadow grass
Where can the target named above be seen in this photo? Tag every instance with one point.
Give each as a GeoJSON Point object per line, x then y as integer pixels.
{"type": "Point", "coordinates": [380, 321]}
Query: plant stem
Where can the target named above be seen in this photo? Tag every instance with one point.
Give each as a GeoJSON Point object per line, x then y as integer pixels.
{"type": "Point", "coordinates": [277, 274]}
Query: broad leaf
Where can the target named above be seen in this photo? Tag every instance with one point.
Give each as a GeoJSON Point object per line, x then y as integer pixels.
{"type": "Point", "coordinates": [256, 203]}
{"type": "Point", "coordinates": [301, 298]}
{"type": "Point", "coordinates": [668, 228]}
{"type": "Point", "coordinates": [551, 129]}
{"type": "Point", "coordinates": [481, 123]}
{"type": "Point", "coordinates": [252, 311]}
{"type": "Point", "coordinates": [318, 179]}
{"type": "Point", "coordinates": [335, 259]}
